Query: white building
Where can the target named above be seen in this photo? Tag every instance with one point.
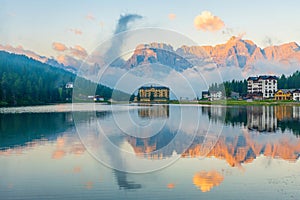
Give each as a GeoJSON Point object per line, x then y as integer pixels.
{"type": "Point", "coordinates": [265, 86]}
{"type": "Point", "coordinates": [296, 95]}
{"type": "Point", "coordinates": [216, 95]}
{"type": "Point", "coordinates": [69, 85]}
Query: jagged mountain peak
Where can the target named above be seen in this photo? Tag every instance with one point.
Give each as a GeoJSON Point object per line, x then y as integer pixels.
{"type": "Point", "coordinates": [236, 52]}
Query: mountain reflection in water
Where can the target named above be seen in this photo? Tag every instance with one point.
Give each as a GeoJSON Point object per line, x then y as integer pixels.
{"type": "Point", "coordinates": [249, 132]}
{"type": "Point", "coordinates": [44, 150]}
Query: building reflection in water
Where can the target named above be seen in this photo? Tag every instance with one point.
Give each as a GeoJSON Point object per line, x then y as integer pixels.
{"type": "Point", "coordinates": [262, 118]}
{"type": "Point", "coordinates": [237, 147]}
{"type": "Point", "coordinates": [155, 111]}
{"type": "Point", "coordinates": [257, 118]}
{"type": "Point", "coordinates": [240, 147]}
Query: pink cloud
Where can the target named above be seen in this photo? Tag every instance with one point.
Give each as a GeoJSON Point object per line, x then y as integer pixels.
{"type": "Point", "coordinates": [90, 17]}
{"type": "Point", "coordinates": [172, 16]}
{"type": "Point", "coordinates": [59, 46]}
{"type": "Point", "coordinates": [206, 21]}
{"type": "Point", "coordinates": [78, 52]}
{"type": "Point", "coordinates": [68, 61]}
{"type": "Point", "coordinates": [76, 31]}
{"type": "Point", "coordinates": [20, 50]}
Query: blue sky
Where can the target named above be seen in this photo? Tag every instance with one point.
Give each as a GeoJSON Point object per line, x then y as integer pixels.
{"type": "Point", "coordinates": [35, 25]}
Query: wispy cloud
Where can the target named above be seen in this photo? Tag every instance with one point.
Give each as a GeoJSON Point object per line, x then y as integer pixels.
{"type": "Point", "coordinates": [101, 24]}
{"type": "Point", "coordinates": [124, 20]}
{"type": "Point", "coordinates": [206, 21]}
{"type": "Point", "coordinates": [78, 51]}
{"type": "Point", "coordinates": [172, 16]}
{"type": "Point", "coordinates": [70, 56]}
{"type": "Point", "coordinates": [76, 31]}
{"type": "Point", "coordinates": [90, 17]}
{"type": "Point", "coordinates": [68, 61]}
{"type": "Point", "coordinates": [57, 46]}
{"type": "Point", "coordinates": [20, 50]}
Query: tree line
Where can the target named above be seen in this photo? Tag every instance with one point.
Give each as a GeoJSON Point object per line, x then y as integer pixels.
{"type": "Point", "coordinates": [240, 86]}
{"type": "Point", "coordinates": [25, 81]}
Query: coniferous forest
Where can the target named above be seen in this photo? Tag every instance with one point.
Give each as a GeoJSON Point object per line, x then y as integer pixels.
{"type": "Point", "coordinates": [25, 81]}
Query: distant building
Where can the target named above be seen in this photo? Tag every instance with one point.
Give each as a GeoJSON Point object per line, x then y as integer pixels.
{"type": "Point", "coordinates": [69, 85]}
{"type": "Point", "coordinates": [264, 86]}
{"type": "Point", "coordinates": [154, 94]}
{"type": "Point", "coordinates": [234, 95]}
{"type": "Point", "coordinates": [205, 94]}
{"type": "Point", "coordinates": [284, 94]}
{"type": "Point", "coordinates": [216, 95]}
{"type": "Point", "coordinates": [98, 98]}
{"type": "Point", "coordinates": [296, 95]}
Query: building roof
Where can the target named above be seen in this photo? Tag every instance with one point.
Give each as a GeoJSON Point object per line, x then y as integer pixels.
{"type": "Point", "coordinates": [263, 77]}
{"type": "Point", "coordinates": [214, 92]}
{"type": "Point", "coordinates": [155, 87]}
{"type": "Point", "coordinates": [286, 90]}
{"type": "Point", "coordinates": [290, 90]}
{"type": "Point", "coordinates": [296, 91]}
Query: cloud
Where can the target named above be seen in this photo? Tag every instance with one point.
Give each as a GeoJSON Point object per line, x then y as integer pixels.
{"type": "Point", "coordinates": [71, 54]}
{"type": "Point", "coordinates": [206, 21]}
{"type": "Point", "coordinates": [78, 52]}
{"type": "Point", "coordinates": [69, 61]}
{"type": "Point", "coordinates": [124, 20]}
{"type": "Point", "coordinates": [172, 16]}
{"type": "Point", "coordinates": [101, 23]}
{"type": "Point", "coordinates": [114, 48]}
{"type": "Point", "coordinates": [270, 41]}
{"type": "Point", "coordinates": [76, 31]}
{"type": "Point", "coordinates": [228, 31]}
{"type": "Point", "coordinates": [90, 17]}
{"type": "Point", "coordinates": [19, 50]}
{"type": "Point", "coordinates": [57, 46]}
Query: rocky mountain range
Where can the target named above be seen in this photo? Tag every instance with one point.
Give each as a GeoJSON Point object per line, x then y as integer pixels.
{"type": "Point", "coordinates": [235, 52]}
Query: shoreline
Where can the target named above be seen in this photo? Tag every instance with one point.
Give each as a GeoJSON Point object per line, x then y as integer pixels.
{"type": "Point", "coordinates": [252, 103]}
{"type": "Point", "coordinates": [173, 102]}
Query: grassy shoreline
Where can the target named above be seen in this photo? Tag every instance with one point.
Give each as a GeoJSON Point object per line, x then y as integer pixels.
{"type": "Point", "coordinates": [220, 102]}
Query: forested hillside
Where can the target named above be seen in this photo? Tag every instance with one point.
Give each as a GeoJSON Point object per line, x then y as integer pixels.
{"type": "Point", "coordinates": [24, 81]}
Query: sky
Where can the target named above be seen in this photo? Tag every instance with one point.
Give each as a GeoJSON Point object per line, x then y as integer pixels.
{"type": "Point", "coordinates": [41, 26]}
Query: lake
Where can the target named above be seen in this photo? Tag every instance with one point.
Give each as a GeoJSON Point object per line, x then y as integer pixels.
{"type": "Point", "coordinates": [150, 152]}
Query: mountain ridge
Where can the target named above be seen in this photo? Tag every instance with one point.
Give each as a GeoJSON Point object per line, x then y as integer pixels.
{"type": "Point", "coordinates": [236, 52]}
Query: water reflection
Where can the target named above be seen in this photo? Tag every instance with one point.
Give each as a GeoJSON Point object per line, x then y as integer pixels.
{"type": "Point", "coordinates": [206, 180]}
{"type": "Point", "coordinates": [241, 147]}
{"type": "Point", "coordinates": [157, 111]}
{"type": "Point", "coordinates": [19, 129]}
{"type": "Point", "coordinates": [249, 134]}
{"type": "Point", "coordinates": [123, 183]}
{"type": "Point", "coordinates": [259, 118]}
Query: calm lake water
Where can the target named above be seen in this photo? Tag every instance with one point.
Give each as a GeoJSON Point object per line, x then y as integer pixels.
{"type": "Point", "coordinates": [150, 152]}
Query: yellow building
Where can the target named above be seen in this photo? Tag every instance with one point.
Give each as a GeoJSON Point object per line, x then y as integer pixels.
{"type": "Point", "coordinates": [154, 94]}
{"type": "Point", "coordinates": [283, 94]}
